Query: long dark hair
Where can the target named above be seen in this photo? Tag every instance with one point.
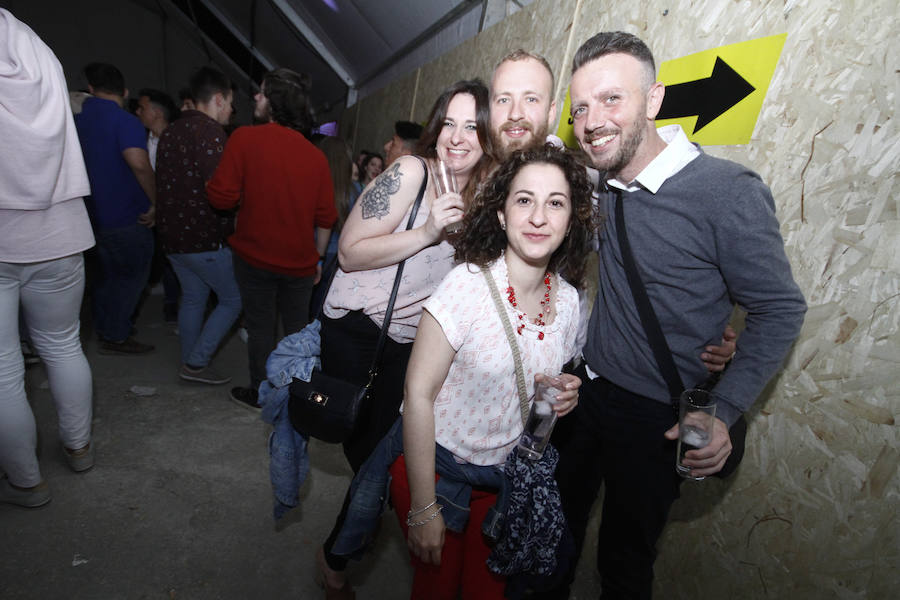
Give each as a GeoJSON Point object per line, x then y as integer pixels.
{"type": "Point", "coordinates": [340, 164]}
{"type": "Point", "coordinates": [482, 240]}
{"type": "Point", "coordinates": [428, 141]}
{"type": "Point", "coordinates": [370, 156]}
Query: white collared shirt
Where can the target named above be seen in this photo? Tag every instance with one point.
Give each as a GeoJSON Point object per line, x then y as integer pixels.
{"type": "Point", "coordinates": [152, 145]}
{"type": "Point", "coordinates": [679, 151]}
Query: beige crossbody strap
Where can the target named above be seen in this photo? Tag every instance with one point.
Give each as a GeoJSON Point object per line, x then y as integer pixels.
{"type": "Point", "coordinates": [510, 337]}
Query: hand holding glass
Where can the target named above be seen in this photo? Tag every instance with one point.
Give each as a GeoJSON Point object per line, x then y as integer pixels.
{"type": "Point", "coordinates": [696, 416]}
{"type": "Point", "coordinates": [541, 418]}
{"type": "Point", "coordinates": [445, 182]}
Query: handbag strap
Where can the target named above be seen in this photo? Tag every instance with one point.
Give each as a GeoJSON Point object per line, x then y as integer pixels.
{"type": "Point", "coordinates": [382, 337]}
{"type": "Point", "coordinates": [649, 320]}
{"type": "Point", "coordinates": [513, 345]}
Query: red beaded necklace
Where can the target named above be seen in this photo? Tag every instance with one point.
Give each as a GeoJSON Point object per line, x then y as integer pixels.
{"type": "Point", "coordinates": [545, 307]}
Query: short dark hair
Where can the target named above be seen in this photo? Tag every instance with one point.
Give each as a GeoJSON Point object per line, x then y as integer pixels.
{"type": "Point", "coordinates": [408, 131]}
{"type": "Point", "coordinates": [616, 42]}
{"type": "Point", "coordinates": [288, 95]}
{"type": "Point", "coordinates": [206, 83]}
{"type": "Point", "coordinates": [483, 240]}
{"type": "Point", "coordinates": [104, 77]}
{"type": "Point", "coordinates": [163, 101]}
{"type": "Point", "coordinates": [428, 140]}
{"type": "Point", "coordinates": [185, 94]}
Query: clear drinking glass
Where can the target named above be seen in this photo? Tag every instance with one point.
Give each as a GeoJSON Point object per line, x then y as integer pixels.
{"type": "Point", "coordinates": [445, 181]}
{"type": "Point", "coordinates": [696, 415]}
{"type": "Point", "coordinates": [541, 418]}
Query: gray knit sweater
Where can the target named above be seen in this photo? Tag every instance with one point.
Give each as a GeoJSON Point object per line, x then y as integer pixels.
{"type": "Point", "coordinates": [707, 239]}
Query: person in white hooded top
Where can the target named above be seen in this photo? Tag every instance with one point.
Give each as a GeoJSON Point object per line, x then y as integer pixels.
{"type": "Point", "coordinates": [44, 228]}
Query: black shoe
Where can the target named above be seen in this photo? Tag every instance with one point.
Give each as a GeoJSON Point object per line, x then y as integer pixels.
{"type": "Point", "coordinates": [129, 346]}
{"type": "Point", "coordinates": [246, 397]}
{"type": "Point", "coordinates": [203, 375]}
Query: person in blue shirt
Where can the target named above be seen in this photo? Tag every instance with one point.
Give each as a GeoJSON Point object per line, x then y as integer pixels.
{"type": "Point", "coordinates": [121, 206]}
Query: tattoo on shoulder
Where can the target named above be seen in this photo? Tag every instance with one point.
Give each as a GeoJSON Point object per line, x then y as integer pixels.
{"type": "Point", "coordinates": [377, 201]}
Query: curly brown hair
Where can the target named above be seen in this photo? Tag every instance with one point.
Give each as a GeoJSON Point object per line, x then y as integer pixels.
{"type": "Point", "coordinates": [482, 240]}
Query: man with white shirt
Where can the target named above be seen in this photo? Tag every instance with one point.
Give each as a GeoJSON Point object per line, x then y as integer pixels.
{"type": "Point", "coordinates": [704, 235]}
{"type": "Point", "coordinates": [156, 110]}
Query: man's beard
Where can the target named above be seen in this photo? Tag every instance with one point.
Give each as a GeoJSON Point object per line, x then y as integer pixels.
{"type": "Point", "coordinates": [504, 147]}
{"type": "Point", "coordinates": [630, 140]}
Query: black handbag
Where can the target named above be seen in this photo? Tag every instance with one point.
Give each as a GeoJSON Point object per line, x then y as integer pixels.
{"type": "Point", "coordinates": [326, 407]}
{"type": "Point", "coordinates": [661, 352]}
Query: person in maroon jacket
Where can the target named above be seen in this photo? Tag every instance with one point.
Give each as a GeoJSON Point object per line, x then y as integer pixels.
{"type": "Point", "coordinates": [281, 185]}
{"type": "Point", "coordinates": [193, 233]}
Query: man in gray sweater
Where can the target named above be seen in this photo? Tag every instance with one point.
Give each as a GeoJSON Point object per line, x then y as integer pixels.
{"type": "Point", "coordinates": [704, 235]}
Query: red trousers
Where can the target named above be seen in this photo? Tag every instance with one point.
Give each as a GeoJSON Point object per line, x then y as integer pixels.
{"type": "Point", "coordinates": [463, 565]}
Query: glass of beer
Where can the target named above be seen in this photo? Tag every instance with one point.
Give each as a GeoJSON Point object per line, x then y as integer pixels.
{"type": "Point", "coordinates": [696, 415]}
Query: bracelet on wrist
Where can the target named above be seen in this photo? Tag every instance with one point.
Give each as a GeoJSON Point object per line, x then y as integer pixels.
{"type": "Point", "coordinates": [431, 517]}
{"type": "Point", "coordinates": [413, 513]}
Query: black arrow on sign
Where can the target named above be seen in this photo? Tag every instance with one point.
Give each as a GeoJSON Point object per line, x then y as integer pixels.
{"type": "Point", "coordinates": [707, 98]}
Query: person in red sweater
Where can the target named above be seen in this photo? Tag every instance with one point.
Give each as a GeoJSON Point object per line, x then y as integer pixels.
{"type": "Point", "coordinates": [281, 186]}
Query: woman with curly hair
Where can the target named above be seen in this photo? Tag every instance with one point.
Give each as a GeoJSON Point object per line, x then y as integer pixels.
{"type": "Point", "coordinates": [531, 229]}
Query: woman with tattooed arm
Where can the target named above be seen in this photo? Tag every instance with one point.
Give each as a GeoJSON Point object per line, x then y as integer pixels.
{"type": "Point", "coordinates": [373, 242]}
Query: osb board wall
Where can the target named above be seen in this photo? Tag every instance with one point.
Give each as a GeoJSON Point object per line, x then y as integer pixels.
{"type": "Point", "coordinates": [379, 112]}
{"type": "Point", "coordinates": [543, 31]}
{"type": "Point", "coordinates": [812, 512]}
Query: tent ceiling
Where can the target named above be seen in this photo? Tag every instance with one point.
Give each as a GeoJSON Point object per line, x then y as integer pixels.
{"type": "Point", "coordinates": [341, 44]}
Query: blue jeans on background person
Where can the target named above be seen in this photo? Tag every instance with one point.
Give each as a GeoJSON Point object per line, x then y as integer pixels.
{"type": "Point", "coordinates": [198, 273]}
{"type": "Point", "coordinates": [125, 255]}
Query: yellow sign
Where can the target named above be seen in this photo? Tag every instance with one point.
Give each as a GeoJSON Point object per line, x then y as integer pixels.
{"type": "Point", "coordinates": [753, 62]}
{"type": "Point", "coordinates": [565, 131]}
{"type": "Point", "coordinates": [715, 95]}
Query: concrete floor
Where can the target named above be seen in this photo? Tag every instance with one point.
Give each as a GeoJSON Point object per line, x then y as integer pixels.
{"type": "Point", "coordinates": [179, 503]}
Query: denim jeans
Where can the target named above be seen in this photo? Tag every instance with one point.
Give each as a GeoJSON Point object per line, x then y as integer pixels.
{"type": "Point", "coordinates": [265, 295]}
{"type": "Point", "coordinates": [369, 489]}
{"type": "Point", "coordinates": [125, 255]}
{"type": "Point", "coordinates": [198, 273]}
{"type": "Point", "coordinates": [50, 294]}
